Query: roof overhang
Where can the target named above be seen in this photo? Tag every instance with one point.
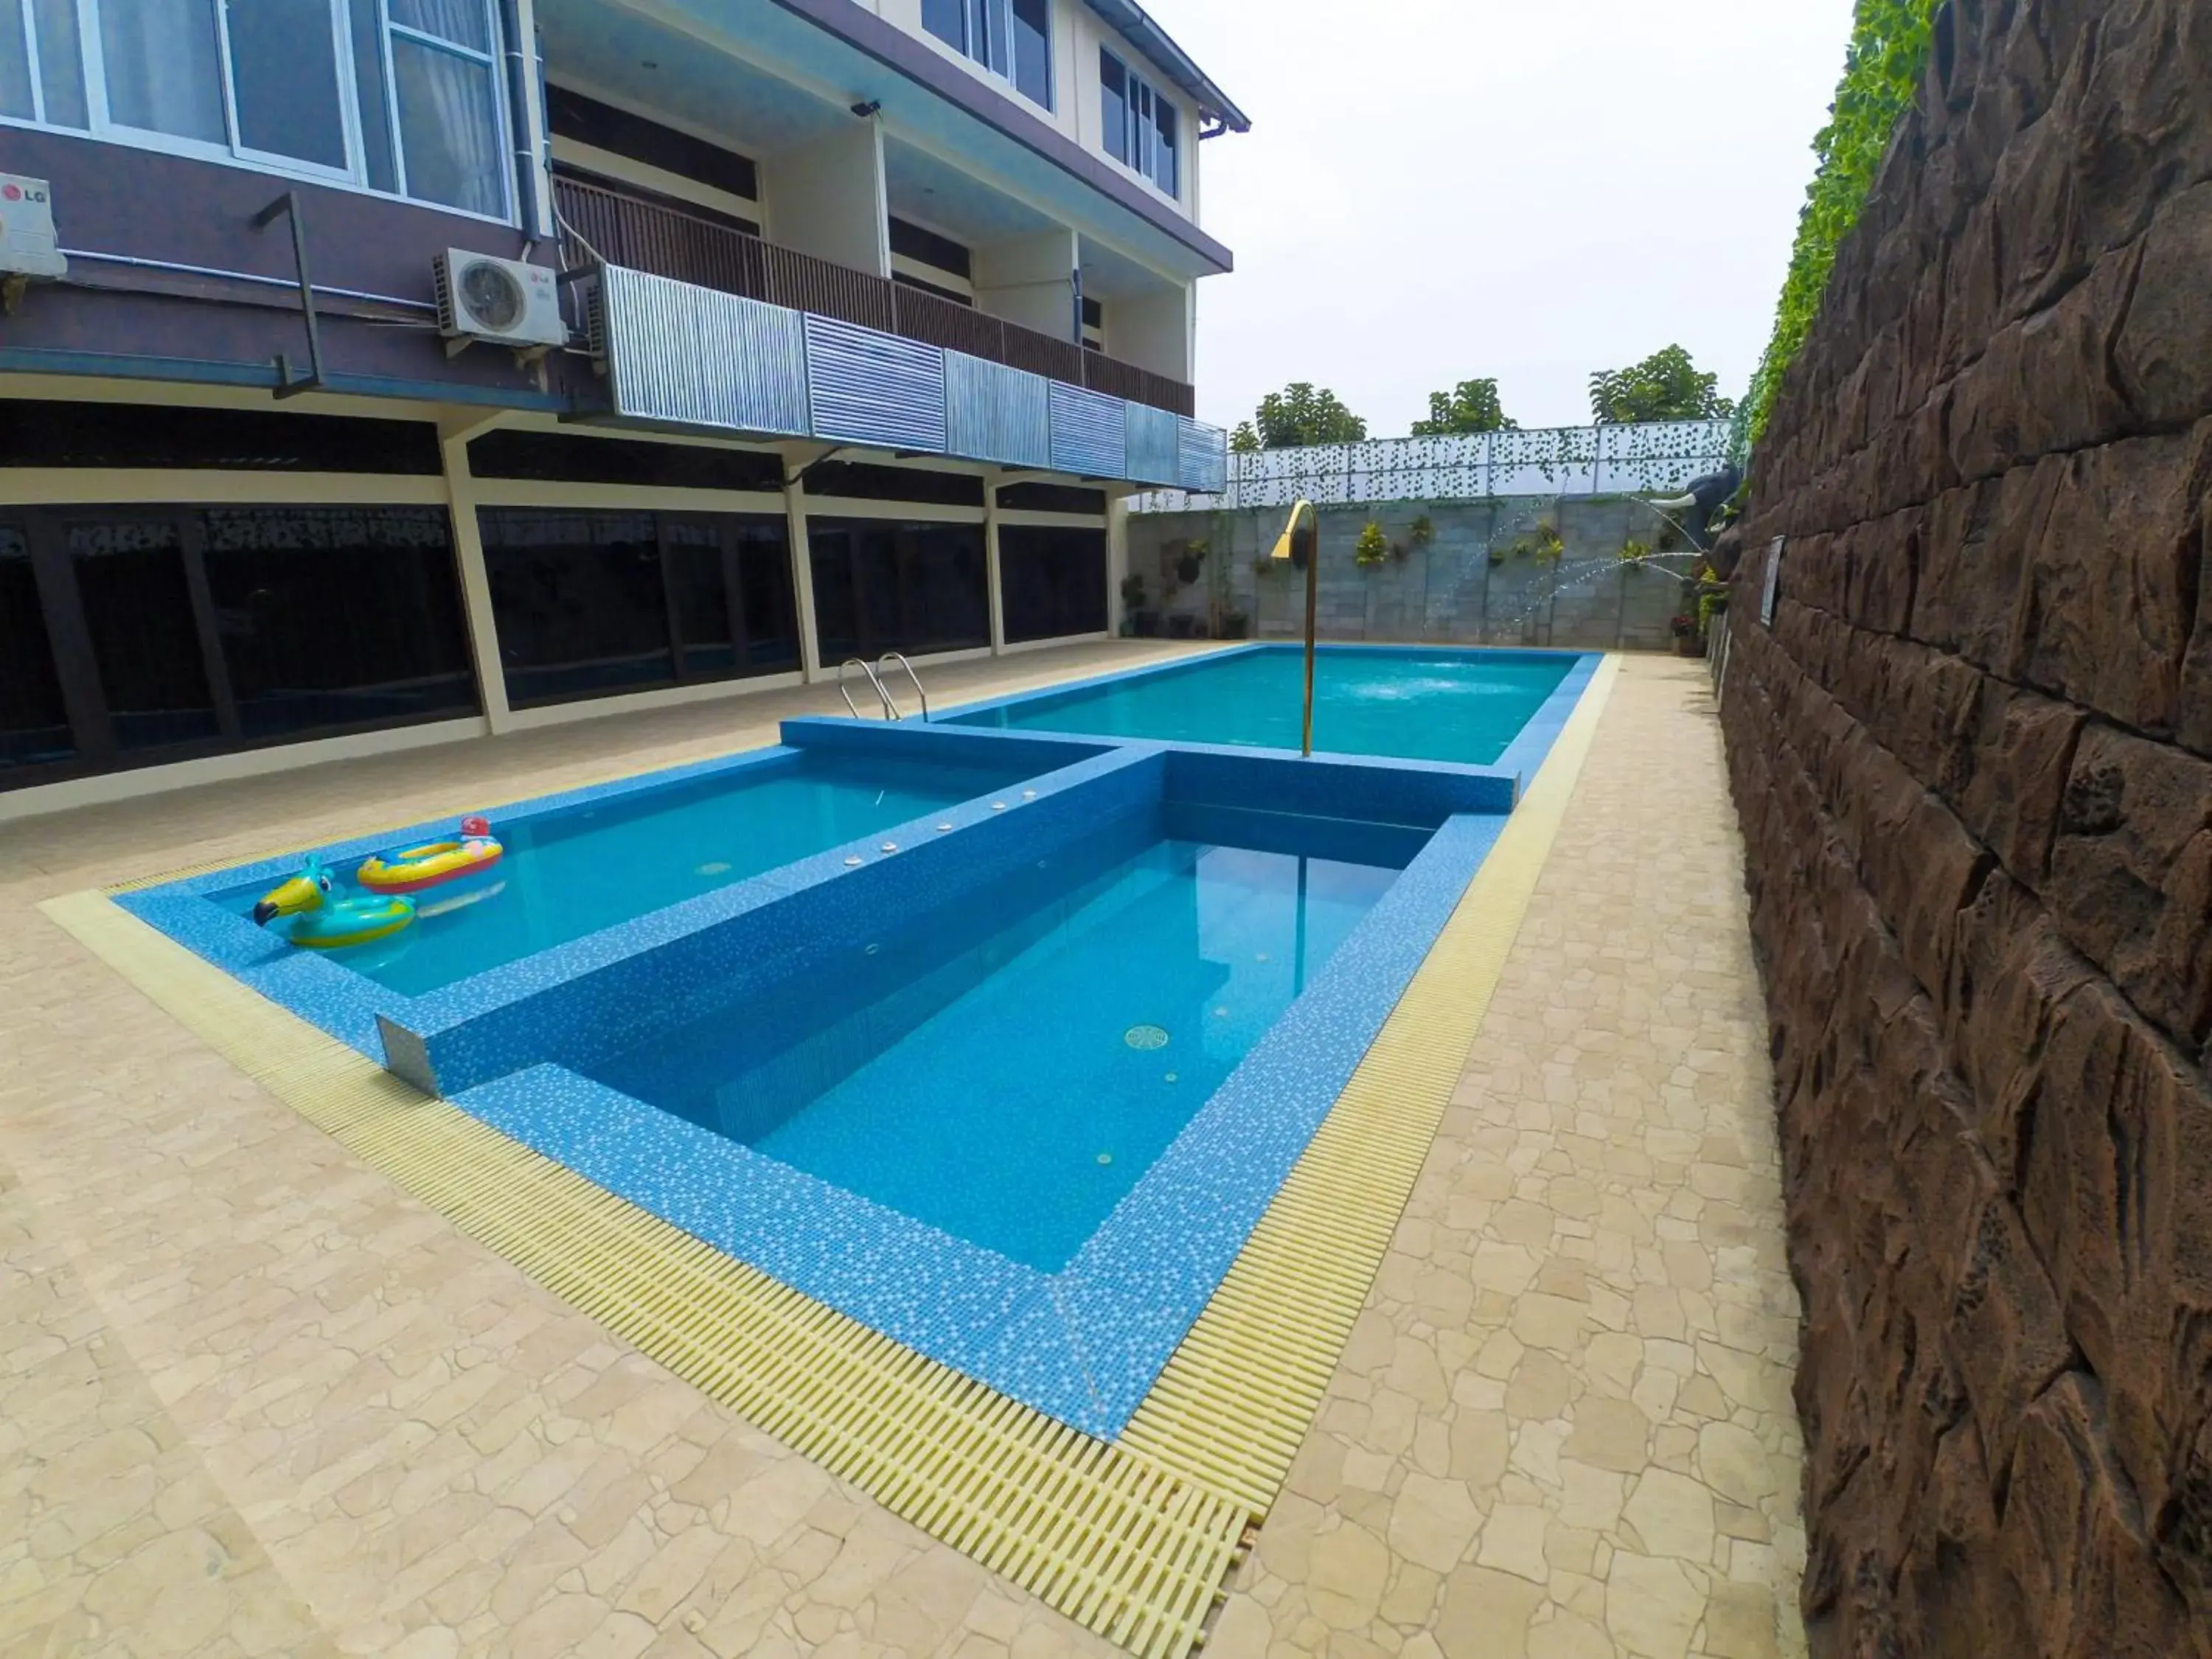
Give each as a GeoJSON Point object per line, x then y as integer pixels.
{"type": "Point", "coordinates": [1135, 25]}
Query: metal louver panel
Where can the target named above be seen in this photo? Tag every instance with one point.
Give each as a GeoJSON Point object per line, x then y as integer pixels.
{"type": "Point", "coordinates": [693, 356]}
{"type": "Point", "coordinates": [1090, 433]}
{"type": "Point", "coordinates": [1153, 438]}
{"type": "Point", "coordinates": [873, 388]}
{"type": "Point", "coordinates": [993, 413]}
{"type": "Point", "coordinates": [1201, 457]}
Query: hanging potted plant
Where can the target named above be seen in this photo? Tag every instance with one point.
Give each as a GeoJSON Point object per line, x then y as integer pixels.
{"type": "Point", "coordinates": [1373, 547]}
{"type": "Point", "coordinates": [1684, 627]}
{"type": "Point", "coordinates": [1418, 534]}
{"type": "Point", "coordinates": [1190, 561]}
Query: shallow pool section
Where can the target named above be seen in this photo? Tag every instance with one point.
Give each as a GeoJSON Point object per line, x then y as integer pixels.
{"type": "Point", "coordinates": [1464, 707]}
{"type": "Point", "coordinates": [582, 867]}
{"type": "Point", "coordinates": [1007, 1073]}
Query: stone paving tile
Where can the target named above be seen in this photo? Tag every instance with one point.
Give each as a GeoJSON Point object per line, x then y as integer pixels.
{"type": "Point", "coordinates": [257, 1400]}
{"type": "Point", "coordinates": [1563, 1427]}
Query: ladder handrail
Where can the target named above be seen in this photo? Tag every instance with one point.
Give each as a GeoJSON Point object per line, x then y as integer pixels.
{"type": "Point", "coordinates": [890, 708]}
{"type": "Point", "coordinates": [899, 657]}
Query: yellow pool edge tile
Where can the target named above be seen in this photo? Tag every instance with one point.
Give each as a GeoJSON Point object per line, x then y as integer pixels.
{"type": "Point", "coordinates": [1236, 1399]}
{"type": "Point", "coordinates": [1095, 1531]}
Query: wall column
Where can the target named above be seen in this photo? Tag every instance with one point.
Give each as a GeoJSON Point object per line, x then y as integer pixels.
{"type": "Point", "coordinates": [802, 578]}
{"type": "Point", "coordinates": [453, 435]}
{"type": "Point", "coordinates": [991, 567]}
{"type": "Point", "coordinates": [828, 199]}
{"type": "Point", "coordinates": [1029, 280]}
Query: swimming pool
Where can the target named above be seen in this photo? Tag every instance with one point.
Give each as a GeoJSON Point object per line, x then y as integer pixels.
{"type": "Point", "coordinates": [998, 1034]}
{"type": "Point", "coordinates": [1463, 707]}
{"type": "Point", "coordinates": [1008, 1074]}
{"type": "Point", "coordinates": [575, 869]}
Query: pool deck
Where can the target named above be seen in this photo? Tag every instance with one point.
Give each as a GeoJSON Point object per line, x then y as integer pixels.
{"type": "Point", "coordinates": [254, 1399]}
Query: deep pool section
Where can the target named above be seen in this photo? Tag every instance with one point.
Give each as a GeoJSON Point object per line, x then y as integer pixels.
{"type": "Point", "coordinates": [571, 872]}
{"type": "Point", "coordinates": [1007, 1073]}
{"type": "Point", "coordinates": [1463, 707]}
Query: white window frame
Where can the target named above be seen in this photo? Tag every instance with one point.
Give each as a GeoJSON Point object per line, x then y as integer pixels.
{"type": "Point", "coordinates": [992, 20]}
{"type": "Point", "coordinates": [1148, 134]}
{"type": "Point", "coordinates": [234, 153]}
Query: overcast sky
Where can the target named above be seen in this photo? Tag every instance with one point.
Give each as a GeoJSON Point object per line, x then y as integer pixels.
{"type": "Point", "coordinates": [1439, 189]}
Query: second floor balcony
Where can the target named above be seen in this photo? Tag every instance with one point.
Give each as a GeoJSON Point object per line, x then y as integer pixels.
{"type": "Point", "coordinates": [603, 226]}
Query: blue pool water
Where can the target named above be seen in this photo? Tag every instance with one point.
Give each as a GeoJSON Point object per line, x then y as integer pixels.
{"type": "Point", "coordinates": [1464, 707]}
{"type": "Point", "coordinates": [571, 873]}
{"type": "Point", "coordinates": [1008, 1074]}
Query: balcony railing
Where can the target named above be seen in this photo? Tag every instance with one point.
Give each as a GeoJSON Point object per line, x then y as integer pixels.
{"type": "Point", "coordinates": [601, 225]}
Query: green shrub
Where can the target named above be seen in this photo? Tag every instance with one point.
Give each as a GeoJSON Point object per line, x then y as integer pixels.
{"type": "Point", "coordinates": [1373, 547]}
{"type": "Point", "coordinates": [1881, 78]}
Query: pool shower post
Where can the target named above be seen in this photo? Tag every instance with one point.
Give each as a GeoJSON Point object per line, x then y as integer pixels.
{"type": "Point", "coordinates": [1283, 550]}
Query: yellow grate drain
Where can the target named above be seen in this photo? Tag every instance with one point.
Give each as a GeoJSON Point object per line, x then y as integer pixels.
{"type": "Point", "coordinates": [1237, 1396]}
{"type": "Point", "coordinates": [1133, 1540]}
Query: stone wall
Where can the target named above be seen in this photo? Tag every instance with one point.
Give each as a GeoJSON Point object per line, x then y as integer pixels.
{"type": "Point", "coordinates": [1972, 759]}
{"type": "Point", "coordinates": [1467, 586]}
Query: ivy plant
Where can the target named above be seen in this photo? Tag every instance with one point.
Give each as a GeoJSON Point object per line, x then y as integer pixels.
{"type": "Point", "coordinates": [1881, 77]}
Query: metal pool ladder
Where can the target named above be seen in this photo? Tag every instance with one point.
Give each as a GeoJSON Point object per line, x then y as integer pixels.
{"type": "Point", "coordinates": [874, 674]}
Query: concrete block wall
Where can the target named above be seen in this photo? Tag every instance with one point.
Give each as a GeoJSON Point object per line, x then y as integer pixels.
{"type": "Point", "coordinates": [1450, 592]}
{"type": "Point", "coordinates": [1972, 757]}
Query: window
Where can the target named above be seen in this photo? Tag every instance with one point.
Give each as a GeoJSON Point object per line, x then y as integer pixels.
{"type": "Point", "coordinates": [34, 723]}
{"type": "Point", "coordinates": [186, 631]}
{"type": "Point", "coordinates": [1140, 125]}
{"type": "Point", "coordinates": [1052, 582]}
{"type": "Point", "coordinates": [401, 96]}
{"type": "Point", "coordinates": [883, 585]}
{"type": "Point", "coordinates": [333, 618]}
{"type": "Point", "coordinates": [1013, 39]}
{"type": "Point", "coordinates": [591, 604]}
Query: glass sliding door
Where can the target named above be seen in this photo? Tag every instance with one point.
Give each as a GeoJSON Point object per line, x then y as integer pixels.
{"type": "Point", "coordinates": [591, 605]}
{"type": "Point", "coordinates": [146, 641]}
{"type": "Point", "coordinates": [882, 585]}
{"type": "Point", "coordinates": [34, 722]}
{"type": "Point", "coordinates": [1052, 581]}
{"type": "Point", "coordinates": [137, 636]}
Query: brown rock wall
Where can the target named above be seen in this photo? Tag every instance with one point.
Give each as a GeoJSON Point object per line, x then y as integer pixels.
{"type": "Point", "coordinates": [1972, 758]}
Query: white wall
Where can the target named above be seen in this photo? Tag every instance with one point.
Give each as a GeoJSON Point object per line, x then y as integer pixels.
{"type": "Point", "coordinates": [1029, 280]}
{"type": "Point", "coordinates": [827, 198]}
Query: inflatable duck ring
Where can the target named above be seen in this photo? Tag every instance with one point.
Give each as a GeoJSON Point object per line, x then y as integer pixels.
{"type": "Point", "coordinates": [313, 909]}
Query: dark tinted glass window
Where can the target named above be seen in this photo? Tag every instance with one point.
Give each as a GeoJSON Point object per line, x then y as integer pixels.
{"type": "Point", "coordinates": [572, 115]}
{"type": "Point", "coordinates": [1163, 152]}
{"type": "Point", "coordinates": [880, 587]}
{"type": "Point", "coordinates": [768, 611]}
{"type": "Point", "coordinates": [1094, 314]}
{"type": "Point", "coordinates": [1053, 498]}
{"type": "Point", "coordinates": [34, 727]}
{"type": "Point", "coordinates": [565, 458]}
{"type": "Point", "coordinates": [333, 617]}
{"type": "Point", "coordinates": [1052, 582]}
{"type": "Point", "coordinates": [284, 79]}
{"type": "Point", "coordinates": [917, 242]}
{"type": "Point", "coordinates": [858, 481]}
{"type": "Point", "coordinates": [699, 595]}
{"type": "Point", "coordinates": [139, 435]}
{"type": "Point", "coordinates": [1032, 75]}
{"type": "Point", "coordinates": [579, 601]}
{"type": "Point", "coordinates": [139, 608]}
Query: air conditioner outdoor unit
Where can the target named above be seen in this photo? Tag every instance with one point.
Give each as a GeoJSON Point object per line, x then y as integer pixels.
{"type": "Point", "coordinates": [504, 301]}
{"type": "Point", "coordinates": [27, 244]}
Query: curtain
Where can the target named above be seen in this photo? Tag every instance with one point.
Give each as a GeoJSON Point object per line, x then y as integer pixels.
{"type": "Point", "coordinates": [449, 132]}
{"type": "Point", "coordinates": [61, 61]}
{"type": "Point", "coordinates": [15, 64]}
{"type": "Point", "coordinates": [163, 71]}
